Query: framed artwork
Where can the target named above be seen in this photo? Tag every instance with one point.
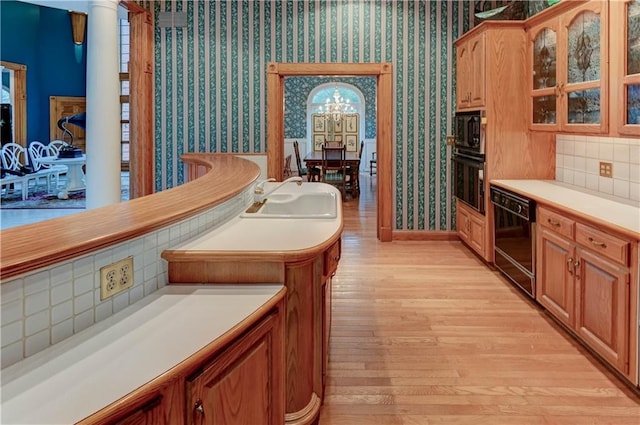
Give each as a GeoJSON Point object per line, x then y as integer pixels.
{"type": "Point", "coordinates": [337, 126]}
{"type": "Point", "coordinates": [351, 123]}
{"type": "Point", "coordinates": [318, 123]}
{"type": "Point", "coordinates": [352, 142]}
{"type": "Point", "coordinates": [318, 141]}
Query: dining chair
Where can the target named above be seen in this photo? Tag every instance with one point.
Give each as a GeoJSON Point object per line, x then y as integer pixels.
{"type": "Point", "coordinates": [55, 146]}
{"type": "Point", "coordinates": [52, 173]}
{"type": "Point", "coordinates": [313, 174]}
{"type": "Point", "coordinates": [286, 172]}
{"type": "Point", "coordinates": [16, 159]}
{"type": "Point", "coordinates": [334, 167]}
{"type": "Point", "coordinates": [333, 143]}
{"type": "Point", "coordinates": [373, 164]}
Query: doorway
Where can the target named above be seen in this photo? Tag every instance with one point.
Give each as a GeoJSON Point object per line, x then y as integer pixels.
{"type": "Point", "coordinates": [276, 72]}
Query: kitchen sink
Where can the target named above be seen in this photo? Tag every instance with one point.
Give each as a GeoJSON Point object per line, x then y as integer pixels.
{"type": "Point", "coordinates": [291, 205]}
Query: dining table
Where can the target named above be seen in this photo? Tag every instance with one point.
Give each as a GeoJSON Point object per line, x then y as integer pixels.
{"type": "Point", "coordinates": [75, 180]}
{"type": "Point", "coordinates": [352, 160]}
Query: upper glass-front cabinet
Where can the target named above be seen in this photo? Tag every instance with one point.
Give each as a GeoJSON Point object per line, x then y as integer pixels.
{"type": "Point", "coordinates": [568, 56]}
{"type": "Point", "coordinates": [625, 18]}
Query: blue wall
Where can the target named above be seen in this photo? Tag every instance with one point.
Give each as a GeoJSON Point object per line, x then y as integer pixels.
{"type": "Point", "coordinates": [40, 38]}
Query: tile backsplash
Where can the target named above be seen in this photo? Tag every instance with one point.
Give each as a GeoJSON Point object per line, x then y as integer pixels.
{"type": "Point", "coordinates": [43, 307]}
{"type": "Point", "coordinates": [578, 161]}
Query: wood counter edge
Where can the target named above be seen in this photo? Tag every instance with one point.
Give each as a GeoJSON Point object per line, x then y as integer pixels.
{"type": "Point", "coordinates": [33, 246]}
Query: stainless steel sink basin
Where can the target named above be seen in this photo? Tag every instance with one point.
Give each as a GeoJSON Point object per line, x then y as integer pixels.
{"type": "Point", "coordinates": [304, 205]}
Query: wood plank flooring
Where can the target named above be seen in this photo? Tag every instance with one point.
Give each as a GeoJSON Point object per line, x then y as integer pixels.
{"type": "Point", "coordinates": [425, 333]}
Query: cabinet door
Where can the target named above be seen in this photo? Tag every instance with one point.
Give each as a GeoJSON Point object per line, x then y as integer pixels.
{"type": "Point", "coordinates": [584, 50]}
{"type": "Point", "coordinates": [603, 307]}
{"type": "Point", "coordinates": [326, 327]}
{"type": "Point", "coordinates": [476, 235]}
{"type": "Point", "coordinates": [242, 385]}
{"type": "Point", "coordinates": [555, 268]}
{"type": "Point", "coordinates": [543, 82]}
{"type": "Point", "coordinates": [463, 222]}
{"type": "Point", "coordinates": [477, 74]}
{"type": "Point", "coordinates": [625, 65]}
{"type": "Point", "coordinates": [149, 414]}
{"type": "Point", "coordinates": [463, 72]}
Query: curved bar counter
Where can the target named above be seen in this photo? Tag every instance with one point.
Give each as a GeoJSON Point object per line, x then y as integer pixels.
{"type": "Point", "coordinates": [30, 247]}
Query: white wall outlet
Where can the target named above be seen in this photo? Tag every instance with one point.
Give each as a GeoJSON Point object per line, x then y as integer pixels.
{"type": "Point", "coordinates": [116, 277]}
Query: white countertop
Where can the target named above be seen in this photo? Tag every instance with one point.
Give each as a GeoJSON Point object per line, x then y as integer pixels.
{"type": "Point", "coordinates": [271, 234]}
{"type": "Point", "coordinates": [88, 371]}
{"type": "Point", "coordinates": [623, 215]}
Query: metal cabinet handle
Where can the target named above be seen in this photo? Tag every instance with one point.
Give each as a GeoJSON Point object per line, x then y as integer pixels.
{"type": "Point", "coordinates": [576, 267]}
{"type": "Point", "coordinates": [597, 243]}
{"type": "Point", "coordinates": [553, 222]}
{"type": "Point", "coordinates": [570, 265]}
{"type": "Point", "coordinates": [198, 407]}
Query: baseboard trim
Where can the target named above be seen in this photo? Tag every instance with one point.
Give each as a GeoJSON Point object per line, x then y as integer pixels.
{"type": "Point", "coordinates": [424, 235]}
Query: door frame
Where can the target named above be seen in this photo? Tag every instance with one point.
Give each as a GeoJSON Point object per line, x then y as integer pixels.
{"type": "Point", "coordinates": [276, 72]}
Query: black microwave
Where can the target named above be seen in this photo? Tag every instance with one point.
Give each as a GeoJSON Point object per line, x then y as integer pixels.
{"type": "Point", "coordinates": [469, 132]}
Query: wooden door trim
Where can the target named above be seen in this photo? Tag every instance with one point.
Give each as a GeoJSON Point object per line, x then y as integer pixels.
{"type": "Point", "coordinates": [20, 107]}
{"type": "Point", "coordinates": [276, 72]}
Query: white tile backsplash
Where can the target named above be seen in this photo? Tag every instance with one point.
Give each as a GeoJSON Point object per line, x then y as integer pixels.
{"type": "Point", "coordinates": [50, 304]}
{"type": "Point", "coordinates": [578, 163]}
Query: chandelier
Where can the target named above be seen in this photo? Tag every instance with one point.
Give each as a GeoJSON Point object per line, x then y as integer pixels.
{"type": "Point", "coordinates": [336, 108]}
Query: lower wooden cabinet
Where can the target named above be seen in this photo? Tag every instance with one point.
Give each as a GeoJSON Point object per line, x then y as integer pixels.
{"type": "Point", "coordinates": [471, 228]}
{"type": "Point", "coordinates": [307, 276]}
{"type": "Point", "coordinates": [584, 279]}
{"type": "Point", "coordinates": [242, 385]}
{"type": "Point", "coordinates": [239, 381]}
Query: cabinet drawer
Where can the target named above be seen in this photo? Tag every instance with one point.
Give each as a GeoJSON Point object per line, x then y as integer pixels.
{"type": "Point", "coordinates": [331, 258]}
{"type": "Point", "coordinates": [604, 244]}
{"type": "Point", "coordinates": [556, 222]}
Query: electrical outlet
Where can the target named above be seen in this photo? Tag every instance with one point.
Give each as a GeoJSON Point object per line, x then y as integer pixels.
{"type": "Point", "coordinates": [606, 169]}
{"type": "Point", "coordinates": [116, 277]}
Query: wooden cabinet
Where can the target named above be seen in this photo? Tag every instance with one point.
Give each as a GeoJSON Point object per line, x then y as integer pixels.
{"type": "Point", "coordinates": [625, 65]}
{"type": "Point", "coordinates": [584, 280]}
{"type": "Point", "coordinates": [555, 285]}
{"type": "Point", "coordinates": [471, 228]}
{"type": "Point", "coordinates": [243, 385]}
{"type": "Point", "coordinates": [568, 69]}
{"type": "Point", "coordinates": [307, 277]}
{"type": "Point", "coordinates": [237, 379]}
{"type": "Point", "coordinates": [470, 77]}
{"type": "Point", "coordinates": [491, 79]}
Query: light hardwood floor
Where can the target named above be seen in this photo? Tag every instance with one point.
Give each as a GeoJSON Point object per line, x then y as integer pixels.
{"type": "Point", "coordinates": [425, 333]}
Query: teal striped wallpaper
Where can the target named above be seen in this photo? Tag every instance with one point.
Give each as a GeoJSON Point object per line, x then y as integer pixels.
{"type": "Point", "coordinates": [210, 81]}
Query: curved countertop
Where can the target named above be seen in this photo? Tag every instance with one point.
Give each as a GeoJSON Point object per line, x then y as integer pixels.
{"type": "Point", "coordinates": [75, 378]}
{"type": "Point", "coordinates": [266, 238]}
{"type": "Point", "coordinates": [620, 216]}
{"type": "Point", "coordinates": [29, 247]}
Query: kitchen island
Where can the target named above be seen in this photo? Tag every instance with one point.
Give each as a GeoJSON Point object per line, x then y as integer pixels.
{"type": "Point", "coordinates": [303, 254]}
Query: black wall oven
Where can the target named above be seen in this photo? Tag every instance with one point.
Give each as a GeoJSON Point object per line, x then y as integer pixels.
{"type": "Point", "coordinates": [468, 180]}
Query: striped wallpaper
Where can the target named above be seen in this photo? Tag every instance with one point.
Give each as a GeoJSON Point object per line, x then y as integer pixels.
{"type": "Point", "coordinates": [211, 81]}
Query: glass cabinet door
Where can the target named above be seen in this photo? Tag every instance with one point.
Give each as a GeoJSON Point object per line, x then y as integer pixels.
{"type": "Point", "coordinates": [544, 76]}
{"type": "Point", "coordinates": [583, 69]}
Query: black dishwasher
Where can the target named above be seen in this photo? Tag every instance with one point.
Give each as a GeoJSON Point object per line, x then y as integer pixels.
{"type": "Point", "coordinates": [514, 237]}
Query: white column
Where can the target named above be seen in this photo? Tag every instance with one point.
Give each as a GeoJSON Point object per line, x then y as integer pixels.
{"type": "Point", "coordinates": [103, 105]}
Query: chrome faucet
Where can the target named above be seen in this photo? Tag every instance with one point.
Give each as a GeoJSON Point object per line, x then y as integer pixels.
{"type": "Point", "coordinates": [259, 194]}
